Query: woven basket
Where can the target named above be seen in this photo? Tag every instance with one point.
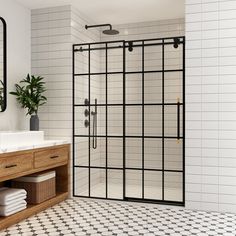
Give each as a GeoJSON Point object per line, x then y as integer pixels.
{"type": "Point", "coordinates": [37, 192]}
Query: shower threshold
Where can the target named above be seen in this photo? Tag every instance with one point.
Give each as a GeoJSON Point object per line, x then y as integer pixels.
{"type": "Point", "coordinates": [115, 191]}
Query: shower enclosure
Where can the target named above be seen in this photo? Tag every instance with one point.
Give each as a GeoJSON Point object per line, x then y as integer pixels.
{"type": "Point", "coordinates": [128, 120]}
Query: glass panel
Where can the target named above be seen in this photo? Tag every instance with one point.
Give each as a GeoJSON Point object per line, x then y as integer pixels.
{"type": "Point", "coordinates": [81, 89]}
{"type": "Point", "coordinates": [115, 184]}
{"type": "Point", "coordinates": [153, 120]}
{"type": "Point", "coordinates": [81, 182]}
{"type": "Point", "coordinates": [152, 57]}
{"type": "Point", "coordinates": [173, 87]}
{"type": "Point", "coordinates": [81, 60]}
{"type": "Point", "coordinates": [80, 118]}
{"type": "Point", "coordinates": [134, 59]}
{"type": "Point", "coordinates": [153, 88]}
{"type": "Point", "coordinates": [133, 158]}
{"type": "Point", "coordinates": [173, 190]}
{"type": "Point", "coordinates": [133, 88]}
{"type": "Point", "coordinates": [171, 121]}
{"type": "Point", "coordinates": [97, 89]}
{"type": "Point", "coordinates": [95, 55]}
{"type": "Point", "coordinates": [115, 120]}
{"type": "Point", "coordinates": [173, 57]}
{"type": "Point", "coordinates": [173, 154]}
{"type": "Point", "coordinates": [115, 58]}
{"type": "Point", "coordinates": [115, 152]}
{"type": "Point", "coordinates": [101, 120]}
{"type": "Point", "coordinates": [133, 120]}
{"type": "Point", "coordinates": [81, 151]}
{"type": "Point", "coordinates": [115, 89]}
{"type": "Point", "coordinates": [102, 59]}
{"type": "Point", "coordinates": [98, 155]}
{"type": "Point", "coordinates": [133, 183]}
{"type": "Point", "coordinates": [98, 183]}
{"type": "Point", "coordinates": [152, 153]}
{"type": "Point", "coordinates": [153, 185]}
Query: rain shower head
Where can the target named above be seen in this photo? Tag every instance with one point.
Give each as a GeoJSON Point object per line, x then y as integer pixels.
{"type": "Point", "coordinates": [110, 32]}
{"type": "Point", "coordinates": [107, 32]}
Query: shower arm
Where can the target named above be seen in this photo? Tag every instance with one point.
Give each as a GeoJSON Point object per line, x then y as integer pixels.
{"type": "Point", "coordinates": [95, 26]}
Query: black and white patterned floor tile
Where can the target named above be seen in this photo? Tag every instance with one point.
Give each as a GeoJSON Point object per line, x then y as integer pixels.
{"type": "Point", "coordinates": [97, 218]}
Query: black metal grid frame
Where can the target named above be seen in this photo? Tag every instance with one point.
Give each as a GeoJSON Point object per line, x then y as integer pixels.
{"type": "Point", "coordinates": [124, 44]}
{"type": "Point", "coordinates": [4, 25]}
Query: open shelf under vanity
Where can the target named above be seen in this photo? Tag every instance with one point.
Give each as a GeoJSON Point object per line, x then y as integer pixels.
{"type": "Point", "coordinates": [35, 161]}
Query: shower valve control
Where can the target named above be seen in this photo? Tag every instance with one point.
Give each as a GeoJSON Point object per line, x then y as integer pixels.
{"type": "Point", "coordinates": [86, 112]}
{"type": "Point", "coordinates": [86, 123]}
{"type": "Point", "coordinates": [86, 101]}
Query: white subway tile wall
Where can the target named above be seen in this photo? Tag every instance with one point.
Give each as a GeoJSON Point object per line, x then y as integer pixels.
{"type": "Point", "coordinates": [210, 105]}
{"type": "Point", "coordinates": [54, 30]}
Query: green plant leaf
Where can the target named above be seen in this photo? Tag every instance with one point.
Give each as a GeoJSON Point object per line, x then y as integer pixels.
{"type": "Point", "coordinates": [29, 93]}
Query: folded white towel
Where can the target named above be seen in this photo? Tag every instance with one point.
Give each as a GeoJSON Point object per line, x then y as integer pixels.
{"type": "Point", "coordinates": [11, 194]}
{"type": "Point", "coordinates": [13, 206]}
{"type": "Point", "coordinates": [8, 210]}
{"type": "Point", "coordinates": [14, 202]}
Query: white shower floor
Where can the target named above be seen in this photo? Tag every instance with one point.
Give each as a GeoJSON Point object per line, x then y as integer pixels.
{"type": "Point", "coordinates": [134, 191]}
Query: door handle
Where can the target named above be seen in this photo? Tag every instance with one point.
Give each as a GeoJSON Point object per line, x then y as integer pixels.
{"type": "Point", "coordinates": [10, 166]}
{"type": "Point", "coordinates": [178, 119]}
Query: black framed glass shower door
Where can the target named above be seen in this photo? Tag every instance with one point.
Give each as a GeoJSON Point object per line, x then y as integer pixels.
{"type": "Point", "coordinates": [127, 127]}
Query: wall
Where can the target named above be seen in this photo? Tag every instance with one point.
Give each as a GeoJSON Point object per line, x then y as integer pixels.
{"type": "Point", "coordinates": [18, 60]}
{"type": "Point", "coordinates": [51, 58]}
{"type": "Point", "coordinates": [54, 30]}
{"type": "Point", "coordinates": [81, 35]}
{"type": "Point", "coordinates": [210, 112]}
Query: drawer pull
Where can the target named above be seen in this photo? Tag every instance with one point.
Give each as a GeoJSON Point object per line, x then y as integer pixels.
{"type": "Point", "coordinates": [11, 166]}
{"type": "Point", "coordinates": [53, 157]}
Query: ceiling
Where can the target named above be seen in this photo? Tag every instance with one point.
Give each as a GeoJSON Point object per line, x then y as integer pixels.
{"type": "Point", "coordinates": [118, 11]}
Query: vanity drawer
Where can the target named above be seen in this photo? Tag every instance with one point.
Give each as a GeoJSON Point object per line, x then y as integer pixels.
{"type": "Point", "coordinates": [50, 157]}
{"type": "Point", "coordinates": [16, 164]}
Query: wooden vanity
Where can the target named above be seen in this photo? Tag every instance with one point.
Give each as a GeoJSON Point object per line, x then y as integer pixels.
{"type": "Point", "coordinates": [21, 163]}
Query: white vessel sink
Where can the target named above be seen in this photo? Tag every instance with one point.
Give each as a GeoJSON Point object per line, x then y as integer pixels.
{"type": "Point", "coordinates": [18, 138]}
{"type": "Point", "coordinates": [22, 140]}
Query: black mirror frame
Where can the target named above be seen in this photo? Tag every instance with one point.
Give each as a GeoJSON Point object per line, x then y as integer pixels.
{"type": "Point", "coordinates": [5, 62]}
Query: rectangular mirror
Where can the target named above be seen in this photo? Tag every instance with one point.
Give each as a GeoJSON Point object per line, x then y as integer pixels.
{"type": "Point", "coordinates": [3, 65]}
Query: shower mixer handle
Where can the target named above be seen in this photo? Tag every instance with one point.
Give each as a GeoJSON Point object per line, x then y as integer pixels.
{"type": "Point", "coordinates": [86, 112]}
{"type": "Point", "coordinates": [86, 101]}
{"type": "Point", "coordinates": [86, 123]}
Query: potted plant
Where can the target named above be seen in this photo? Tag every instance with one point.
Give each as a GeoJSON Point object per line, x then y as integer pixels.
{"type": "Point", "coordinates": [29, 93]}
